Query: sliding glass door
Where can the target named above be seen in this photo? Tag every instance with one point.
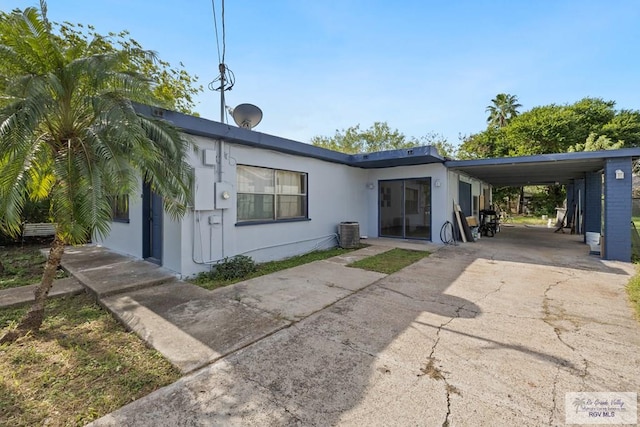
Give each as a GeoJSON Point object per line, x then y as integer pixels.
{"type": "Point", "coordinates": [405, 208]}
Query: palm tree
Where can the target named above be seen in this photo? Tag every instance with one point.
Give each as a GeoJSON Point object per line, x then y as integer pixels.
{"type": "Point", "coordinates": [69, 133]}
{"type": "Point", "coordinates": [504, 107]}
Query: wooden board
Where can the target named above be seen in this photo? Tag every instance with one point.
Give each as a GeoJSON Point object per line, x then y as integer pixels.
{"type": "Point", "coordinates": [465, 225]}
{"type": "Point", "coordinates": [472, 221]}
{"type": "Point", "coordinates": [456, 213]}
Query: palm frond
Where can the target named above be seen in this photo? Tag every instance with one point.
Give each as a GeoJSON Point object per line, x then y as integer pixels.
{"type": "Point", "coordinates": [68, 130]}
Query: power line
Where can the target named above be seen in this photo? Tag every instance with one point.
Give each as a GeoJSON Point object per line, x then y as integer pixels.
{"type": "Point", "coordinates": [215, 25]}
{"type": "Point", "coordinates": [224, 35]}
{"type": "Point", "coordinates": [225, 80]}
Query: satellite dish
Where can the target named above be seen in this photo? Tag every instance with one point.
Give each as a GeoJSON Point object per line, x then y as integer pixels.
{"type": "Point", "coordinates": [247, 115]}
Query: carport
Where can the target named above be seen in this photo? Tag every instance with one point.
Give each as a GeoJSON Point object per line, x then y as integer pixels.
{"type": "Point", "coordinates": [599, 183]}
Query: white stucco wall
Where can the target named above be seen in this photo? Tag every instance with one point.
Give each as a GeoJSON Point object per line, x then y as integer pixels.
{"type": "Point", "coordinates": [477, 188]}
{"type": "Point", "coordinates": [127, 237]}
{"type": "Point", "coordinates": [439, 204]}
{"type": "Point", "coordinates": [335, 193]}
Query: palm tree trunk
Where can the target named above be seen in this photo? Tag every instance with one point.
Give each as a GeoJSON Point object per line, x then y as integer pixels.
{"type": "Point", "coordinates": [34, 317]}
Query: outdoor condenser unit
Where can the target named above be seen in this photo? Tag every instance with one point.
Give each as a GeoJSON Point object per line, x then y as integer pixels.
{"type": "Point", "coordinates": [349, 233]}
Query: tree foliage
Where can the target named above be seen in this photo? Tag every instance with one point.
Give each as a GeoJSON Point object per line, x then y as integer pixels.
{"type": "Point", "coordinates": [69, 134]}
{"type": "Point", "coordinates": [380, 137]}
{"type": "Point", "coordinates": [503, 108]}
{"type": "Point", "coordinates": [173, 87]}
{"type": "Point", "coordinates": [586, 125]}
{"type": "Point", "coordinates": [354, 140]}
{"type": "Point", "coordinates": [596, 143]}
{"type": "Point", "coordinates": [554, 129]}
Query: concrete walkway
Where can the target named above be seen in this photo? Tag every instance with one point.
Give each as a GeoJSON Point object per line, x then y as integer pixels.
{"type": "Point", "coordinates": [21, 295]}
{"type": "Point", "coordinates": [482, 334]}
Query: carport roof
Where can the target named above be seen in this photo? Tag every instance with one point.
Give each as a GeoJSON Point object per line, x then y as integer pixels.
{"type": "Point", "coordinates": [542, 169]}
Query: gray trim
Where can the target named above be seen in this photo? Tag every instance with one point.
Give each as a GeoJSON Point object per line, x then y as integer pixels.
{"type": "Point", "coordinates": [540, 169]}
{"type": "Point", "coordinates": [543, 169]}
{"type": "Point", "coordinates": [543, 158]}
{"type": "Point", "coordinates": [401, 157]}
{"type": "Point", "coordinates": [271, 221]}
{"type": "Point", "coordinates": [207, 128]}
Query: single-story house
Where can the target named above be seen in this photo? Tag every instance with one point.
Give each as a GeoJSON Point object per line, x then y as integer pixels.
{"type": "Point", "coordinates": [271, 198]}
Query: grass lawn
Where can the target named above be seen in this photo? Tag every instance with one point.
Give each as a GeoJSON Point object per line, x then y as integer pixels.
{"type": "Point", "coordinates": [209, 281]}
{"type": "Point", "coordinates": [23, 265]}
{"type": "Point", "coordinates": [633, 289]}
{"type": "Point", "coordinates": [530, 220]}
{"type": "Point", "coordinates": [80, 366]}
{"type": "Point", "coordinates": [390, 261]}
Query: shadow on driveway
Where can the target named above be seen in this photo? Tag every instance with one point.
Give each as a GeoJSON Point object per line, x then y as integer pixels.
{"type": "Point", "coordinates": [487, 333]}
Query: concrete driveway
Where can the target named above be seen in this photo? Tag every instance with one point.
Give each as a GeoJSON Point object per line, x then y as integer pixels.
{"type": "Point", "coordinates": [489, 333]}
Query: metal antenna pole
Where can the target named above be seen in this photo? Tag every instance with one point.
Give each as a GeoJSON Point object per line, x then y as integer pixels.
{"type": "Point", "coordinates": [222, 67]}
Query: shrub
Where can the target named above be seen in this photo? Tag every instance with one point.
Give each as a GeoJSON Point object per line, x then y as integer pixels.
{"type": "Point", "coordinates": [236, 267]}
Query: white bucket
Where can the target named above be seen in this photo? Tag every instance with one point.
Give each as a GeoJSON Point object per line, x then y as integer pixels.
{"type": "Point", "coordinates": [593, 240]}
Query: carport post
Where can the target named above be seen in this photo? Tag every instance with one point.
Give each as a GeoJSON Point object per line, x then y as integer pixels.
{"type": "Point", "coordinates": [593, 203]}
{"type": "Point", "coordinates": [570, 201]}
{"type": "Point", "coordinates": [617, 209]}
{"type": "Point", "coordinates": [578, 198]}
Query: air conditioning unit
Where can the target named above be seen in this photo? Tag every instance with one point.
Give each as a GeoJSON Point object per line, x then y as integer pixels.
{"type": "Point", "coordinates": [349, 234]}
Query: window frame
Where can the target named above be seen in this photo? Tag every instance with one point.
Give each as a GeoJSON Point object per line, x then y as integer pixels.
{"type": "Point", "coordinates": [120, 213]}
{"type": "Point", "coordinates": [304, 195]}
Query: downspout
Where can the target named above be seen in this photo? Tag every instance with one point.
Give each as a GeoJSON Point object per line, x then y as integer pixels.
{"type": "Point", "coordinates": [219, 167]}
{"type": "Point", "coordinates": [222, 69]}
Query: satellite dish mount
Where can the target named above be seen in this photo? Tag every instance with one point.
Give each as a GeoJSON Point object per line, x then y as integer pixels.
{"type": "Point", "coordinates": [247, 115]}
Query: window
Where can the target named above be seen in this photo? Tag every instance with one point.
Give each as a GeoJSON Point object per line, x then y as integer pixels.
{"type": "Point", "coordinates": [271, 194]}
{"type": "Point", "coordinates": [120, 208]}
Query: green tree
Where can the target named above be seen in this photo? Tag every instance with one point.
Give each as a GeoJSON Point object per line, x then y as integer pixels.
{"type": "Point", "coordinates": [503, 108]}
{"type": "Point", "coordinates": [173, 87]}
{"type": "Point", "coordinates": [553, 129]}
{"type": "Point", "coordinates": [69, 134]}
{"type": "Point", "coordinates": [444, 147]}
{"type": "Point", "coordinates": [354, 140]}
{"type": "Point", "coordinates": [596, 143]}
{"type": "Point", "coordinates": [624, 126]}
{"type": "Point", "coordinates": [541, 130]}
{"type": "Point", "coordinates": [588, 124]}
{"type": "Point", "coordinates": [380, 137]}
{"type": "Point", "coordinates": [490, 143]}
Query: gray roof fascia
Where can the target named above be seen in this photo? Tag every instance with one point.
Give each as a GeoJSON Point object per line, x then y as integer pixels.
{"type": "Point", "coordinates": [399, 157]}
{"type": "Point", "coordinates": [203, 127]}
{"type": "Point", "coordinates": [542, 158]}
{"type": "Point", "coordinates": [211, 129]}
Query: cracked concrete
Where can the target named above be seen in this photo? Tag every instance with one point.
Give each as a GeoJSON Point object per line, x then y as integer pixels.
{"type": "Point", "coordinates": [483, 334]}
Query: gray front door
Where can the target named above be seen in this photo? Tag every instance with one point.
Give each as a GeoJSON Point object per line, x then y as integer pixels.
{"type": "Point", "coordinates": [151, 226]}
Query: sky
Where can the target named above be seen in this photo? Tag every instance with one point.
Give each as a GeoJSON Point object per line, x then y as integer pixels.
{"type": "Point", "coordinates": [314, 67]}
